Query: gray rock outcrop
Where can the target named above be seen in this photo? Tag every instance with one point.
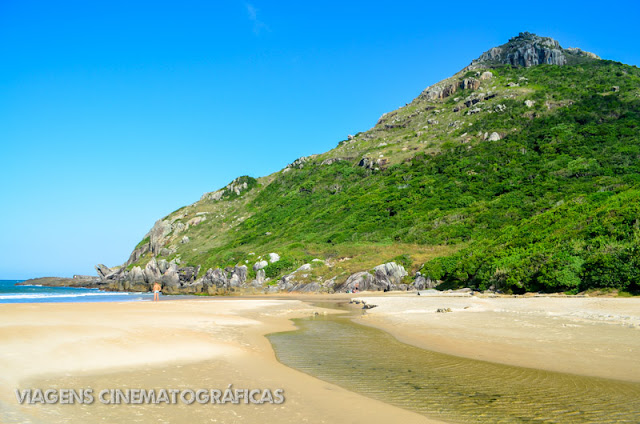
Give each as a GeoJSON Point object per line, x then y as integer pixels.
{"type": "Point", "coordinates": [363, 281]}
{"type": "Point", "coordinates": [470, 84]}
{"type": "Point", "coordinates": [386, 277]}
{"type": "Point", "coordinates": [158, 235]}
{"type": "Point", "coordinates": [373, 164]}
{"type": "Point", "coordinates": [527, 50]}
{"type": "Point", "coordinates": [288, 282]}
{"type": "Point", "coordinates": [259, 265]}
{"type": "Point", "coordinates": [215, 278]}
{"type": "Point", "coordinates": [103, 270]}
{"type": "Point", "coordinates": [260, 276]}
{"type": "Point", "coordinates": [486, 75]}
{"type": "Point", "coordinates": [170, 280]}
{"type": "Point", "coordinates": [300, 162]}
{"type": "Point", "coordinates": [439, 91]}
{"type": "Point", "coordinates": [423, 283]}
{"type": "Point", "coordinates": [391, 272]}
{"type": "Point", "coordinates": [152, 272]}
{"type": "Point", "coordinates": [238, 276]}
{"type": "Point", "coordinates": [237, 186]}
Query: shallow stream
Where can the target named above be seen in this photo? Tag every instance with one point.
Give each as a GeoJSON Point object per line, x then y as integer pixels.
{"type": "Point", "coordinates": [373, 363]}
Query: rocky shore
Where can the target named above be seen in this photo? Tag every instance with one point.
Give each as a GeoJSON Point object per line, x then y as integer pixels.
{"type": "Point", "coordinates": [184, 280]}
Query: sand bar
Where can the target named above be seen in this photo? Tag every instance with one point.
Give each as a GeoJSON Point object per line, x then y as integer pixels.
{"type": "Point", "coordinates": [194, 344]}
{"type": "Point", "coordinates": [213, 342]}
{"type": "Point", "coordinates": [597, 336]}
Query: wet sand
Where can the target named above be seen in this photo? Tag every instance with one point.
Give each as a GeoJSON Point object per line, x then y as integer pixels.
{"type": "Point", "coordinates": [184, 344]}
{"type": "Point", "coordinates": [211, 343]}
{"type": "Point", "coordinates": [597, 337]}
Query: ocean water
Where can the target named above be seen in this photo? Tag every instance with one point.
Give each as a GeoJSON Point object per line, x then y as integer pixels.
{"type": "Point", "coordinates": [10, 293]}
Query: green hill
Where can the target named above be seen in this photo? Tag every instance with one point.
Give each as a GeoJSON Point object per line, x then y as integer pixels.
{"type": "Point", "coordinates": [521, 173]}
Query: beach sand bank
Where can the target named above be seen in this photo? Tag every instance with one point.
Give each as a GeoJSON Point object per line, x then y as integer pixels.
{"type": "Point", "coordinates": [211, 343]}
{"type": "Point", "coordinates": [597, 336]}
{"type": "Point", "coordinates": [183, 344]}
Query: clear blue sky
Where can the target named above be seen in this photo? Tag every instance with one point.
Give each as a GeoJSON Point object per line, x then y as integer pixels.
{"type": "Point", "coordinates": [115, 113]}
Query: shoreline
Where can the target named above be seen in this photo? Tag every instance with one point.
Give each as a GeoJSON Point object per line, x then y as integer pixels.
{"type": "Point", "coordinates": [589, 336]}
{"type": "Point", "coordinates": [212, 341]}
{"type": "Point", "coordinates": [190, 343]}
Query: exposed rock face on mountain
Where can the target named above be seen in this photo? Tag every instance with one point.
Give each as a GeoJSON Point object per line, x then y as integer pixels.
{"type": "Point", "coordinates": [524, 50]}
{"type": "Point", "coordinates": [527, 50]}
{"type": "Point", "coordinates": [237, 187]}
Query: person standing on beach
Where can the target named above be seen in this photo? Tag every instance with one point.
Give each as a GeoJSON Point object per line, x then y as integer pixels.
{"type": "Point", "coordinates": [156, 291]}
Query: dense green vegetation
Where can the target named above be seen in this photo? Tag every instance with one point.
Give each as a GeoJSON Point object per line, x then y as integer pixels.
{"type": "Point", "coordinates": [554, 205]}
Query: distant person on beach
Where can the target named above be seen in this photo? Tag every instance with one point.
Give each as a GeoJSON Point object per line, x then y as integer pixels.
{"type": "Point", "coordinates": [156, 291]}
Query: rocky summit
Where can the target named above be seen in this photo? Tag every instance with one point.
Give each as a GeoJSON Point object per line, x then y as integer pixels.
{"type": "Point", "coordinates": [527, 50]}
{"type": "Point", "coordinates": [518, 173]}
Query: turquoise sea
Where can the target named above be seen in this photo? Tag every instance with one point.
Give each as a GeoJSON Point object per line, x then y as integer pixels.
{"type": "Point", "coordinates": [10, 293]}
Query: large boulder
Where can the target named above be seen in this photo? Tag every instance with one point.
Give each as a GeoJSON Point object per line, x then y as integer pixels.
{"type": "Point", "coordinates": [360, 280]}
{"type": "Point", "coordinates": [288, 283]}
{"type": "Point", "coordinates": [486, 75]}
{"type": "Point", "coordinates": [386, 277]}
{"type": "Point", "coordinates": [215, 279]}
{"type": "Point", "coordinates": [188, 274]}
{"type": "Point", "coordinates": [391, 273]}
{"type": "Point", "coordinates": [136, 275]}
{"type": "Point", "coordinates": [307, 288]}
{"type": "Point", "coordinates": [439, 91]}
{"type": "Point", "coordinates": [274, 257]}
{"type": "Point", "coordinates": [240, 272]}
{"type": "Point", "coordinates": [259, 265]}
{"type": "Point", "coordinates": [235, 281]}
{"type": "Point", "coordinates": [239, 276]}
{"type": "Point", "coordinates": [163, 266]}
{"type": "Point", "coordinates": [135, 280]}
{"type": "Point", "coordinates": [423, 283]}
{"type": "Point", "coordinates": [152, 272]}
{"type": "Point", "coordinates": [260, 279]}
{"type": "Point", "coordinates": [494, 136]}
{"type": "Point", "coordinates": [170, 280]}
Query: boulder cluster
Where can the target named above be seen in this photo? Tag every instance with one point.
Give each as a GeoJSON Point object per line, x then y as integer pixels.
{"type": "Point", "coordinates": [184, 280]}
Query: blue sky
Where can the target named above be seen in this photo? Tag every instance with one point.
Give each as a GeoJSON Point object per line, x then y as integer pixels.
{"type": "Point", "coordinates": [115, 113]}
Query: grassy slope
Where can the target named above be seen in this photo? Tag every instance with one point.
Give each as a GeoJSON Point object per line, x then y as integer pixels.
{"type": "Point", "coordinates": [488, 208]}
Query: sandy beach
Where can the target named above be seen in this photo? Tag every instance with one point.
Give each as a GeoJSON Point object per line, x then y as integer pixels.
{"type": "Point", "coordinates": [597, 336]}
{"type": "Point", "coordinates": [213, 342]}
{"type": "Point", "coordinates": [183, 344]}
